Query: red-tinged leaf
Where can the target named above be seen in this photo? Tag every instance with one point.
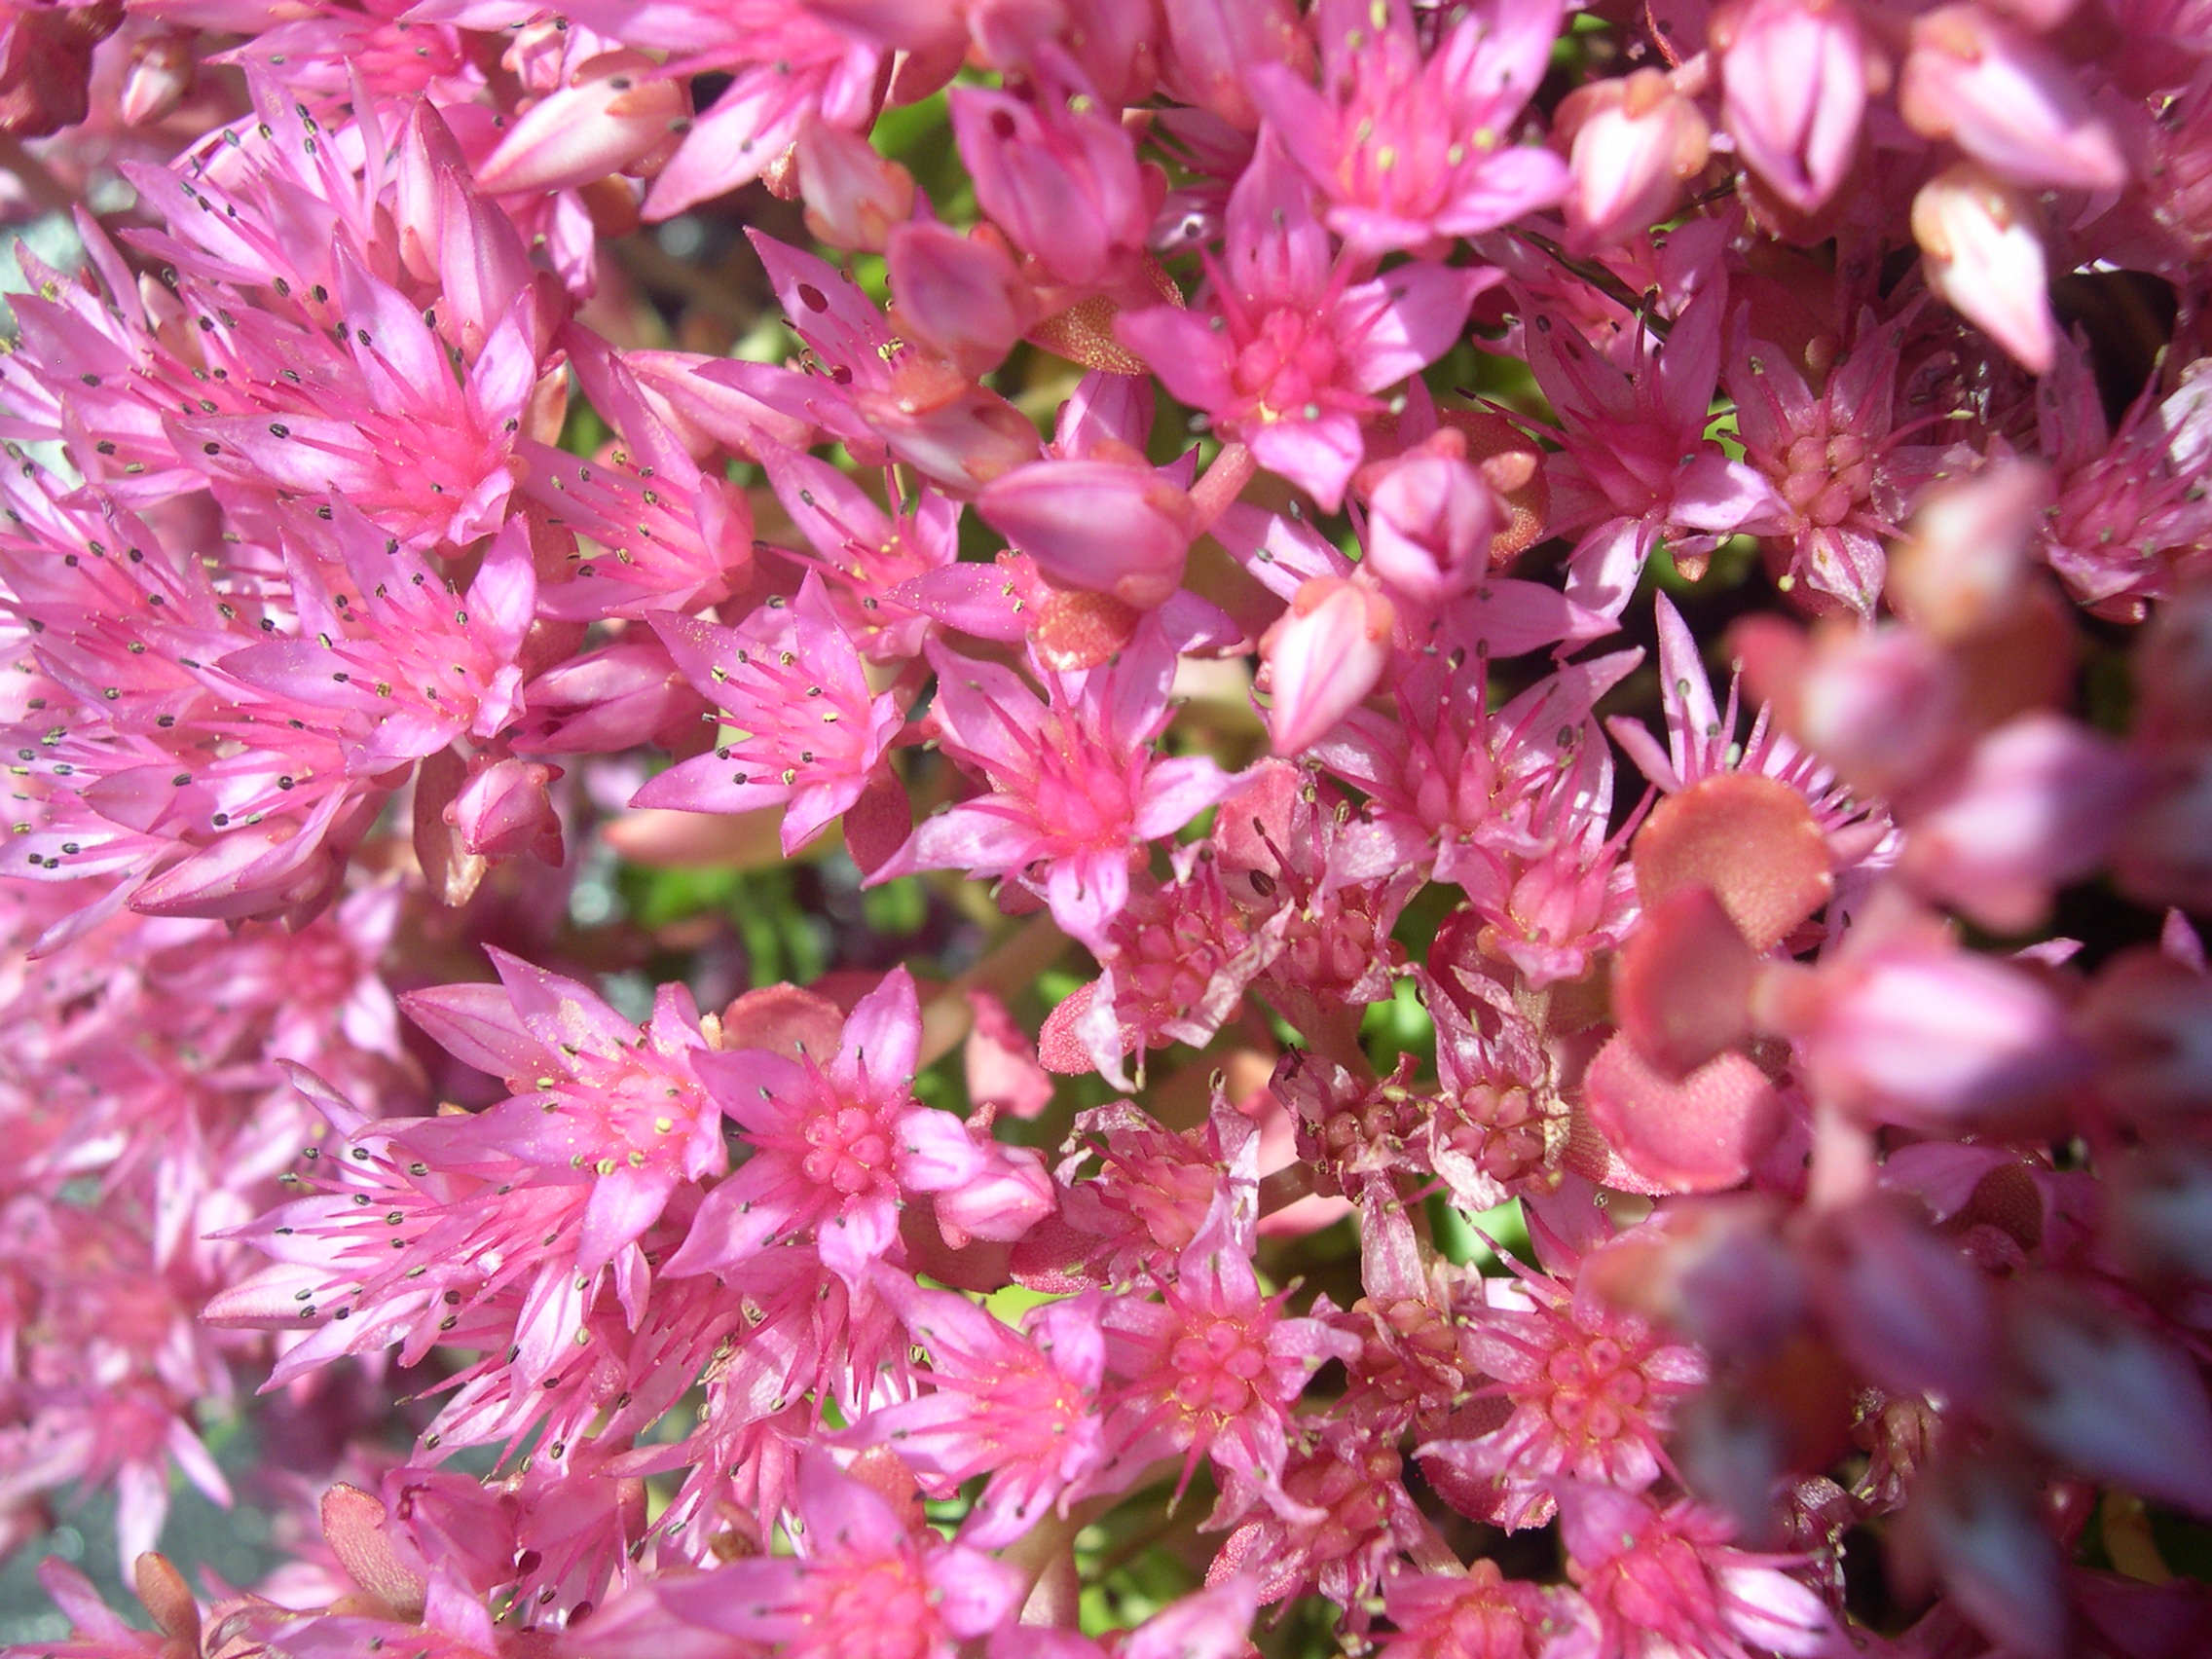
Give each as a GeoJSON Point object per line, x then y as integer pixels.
{"type": "Point", "coordinates": [878, 824]}
{"type": "Point", "coordinates": [1701, 1134]}
{"type": "Point", "coordinates": [163, 1592]}
{"type": "Point", "coordinates": [356, 1529]}
{"type": "Point", "coordinates": [1683, 983]}
{"type": "Point", "coordinates": [785, 1021]}
{"type": "Point", "coordinates": [1750, 839]}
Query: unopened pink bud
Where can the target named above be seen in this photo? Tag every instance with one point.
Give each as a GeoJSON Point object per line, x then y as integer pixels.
{"type": "Point", "coordinates": [853, 195]}
{"type": "Point", "coordinates": [2008, 100]}
{"type": "Point", "coordinates": [1096, 524]}
{"type": "Point", "coordinates": [1633, 142]}
{"type": "Point", "coordinates": [1906, 1305]}
{"type": "Point", "coordinates": [1977, 236]}
{"type": "Point", "coordinates": [1060, 177]}
{"type": "Point", "coordinates": [960, 296]}
{"type": "Point", "coordinates": [950, 430]}
{"type": "Point", "coordinates": [1432, 520]}
{"type": "Point", "coordinates": [1011, 1194]}
{"type": "Point", "coordinates": [1967, 559]}
{"type": "Point", "coordinates": [1794, 78]}
{"type": "Point", "coordinates": [2110, 1399]}
{"type": "Point", "coordinates": [616, 108]}
{"type": "Point", "coordinates": [1918, 1032]}
{"type": "Point", "coordinates": [161, 73]}
{"type": "Point", "coordinates": [1211, 44]}
{"type": "Point", "coordinates": [504, 809]}
{"type": "Point", "coordinates": [1323, 657]}
{"type": "Point", "coordinates": [2036, 806]}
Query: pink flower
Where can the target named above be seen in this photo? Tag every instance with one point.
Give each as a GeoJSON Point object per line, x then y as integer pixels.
{"type": "Point", "coordinates": [836, 1144]}
{"type": "Point", "coordinates": [791, 683]}
{"type": "Point", "coordinates": [1638, 464]}
{"type": "Point", "coordinates": [1019, 1406]}
{"type": "Point", "coordinates": [1293, 349]}
{"type": "Point", "coordinates": [1591, 1388]}
{"type": "Point", "coordinates": [866, 1584]}
{"type": "Point", "coordinates": [1212, 1369]}
{"type": "Point", "coordinates": [1409, 150]}
{"type": "Point", "coordinates": [1074, 784]}
{"type": "Point", "coordinates": [1833, 459]}
{"type": "Point", "coordinates": [1657, 1582]}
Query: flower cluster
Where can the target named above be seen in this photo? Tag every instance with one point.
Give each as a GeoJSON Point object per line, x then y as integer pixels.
{"type": "Point", "coordinates": [1107, 829]}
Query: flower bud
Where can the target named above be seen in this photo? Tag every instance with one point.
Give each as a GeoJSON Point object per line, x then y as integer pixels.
{"type": "Point", "coordinates": [1980, 251]}
{"type": "Point", "coordinates": [1634, 141]}
{"type": "Point", "coordinates": [961, 297]}
{"type": "Point", "coordinates": [1323, 657]}
{"type": "Point", "coordinates": [616, 109]}
{"type": "Point", "coordinates": [1060, 176]}
{"type": "Point", "coordinates": [2008, 100]}
{"type": "Point", "coordinates": [1431, 524]}
{"type": "Point", "coordinates": [505, 809]}
{"type": "Point", "coordinates": [855, 198]}
{"type": "Point", "coordinates": [160, 74]}
{"type": "Point", "coordinates": [1793, 74]}
{"type": "Point", "coordinates": [1096, 524]}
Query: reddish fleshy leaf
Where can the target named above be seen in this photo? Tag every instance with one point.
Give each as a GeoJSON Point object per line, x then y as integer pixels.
{"type": "Point", "coordinates": [1699, 1135]}
{"type": "Point", "coordinates": [1750, 839]}
{"type": "Point", "coordinates": [1683, 983]}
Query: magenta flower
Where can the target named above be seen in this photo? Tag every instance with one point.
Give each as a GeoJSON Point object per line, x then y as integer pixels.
{"type": "Point", "coordinates": [1411, 149]}
{"type": "Point", "coordinates": [863, 1584]}
{"type": "Point", "coordinates": [1075, 784]}
{"type": "Point", "coordinates": [1638, 464]}
{"type": "Point", "coordinates": [1292, 345]}
{"type": "Point", "coordinates": [1591, 1388]}
{"type": "Point", "coordinates": [791, 682]}
{"type": "Point", "coordinates": [1020, 1406]}
{"type": "Point", "coordinates": [1658, 1582]}
{"type": "Point", "coordinates": [1212, 1369]}
{"type": "Point", "coordinates": [835, 1145]}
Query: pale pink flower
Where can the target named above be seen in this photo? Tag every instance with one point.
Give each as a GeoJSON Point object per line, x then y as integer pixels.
{"type": "Point", "coordinates": [865, 1584]}
{"type": "Point", "coordinates": [810, 734]}
{"type": "Point", "coordinates": [1076, 788]}
{"type": "Point", "coordinates": [1983, 252]}
{"type": "Point", "coordinates": [837, 1143]}
{"type": "Point", "coordinates": [1410, 148]}
{"type": "Point", "coordinates": [1292, 346]}
{"type": "Point", "coordinates": [1794, 75]}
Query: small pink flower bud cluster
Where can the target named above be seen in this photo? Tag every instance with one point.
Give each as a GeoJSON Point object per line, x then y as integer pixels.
{"type": "Point", "coordinates": [1112, 829]}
